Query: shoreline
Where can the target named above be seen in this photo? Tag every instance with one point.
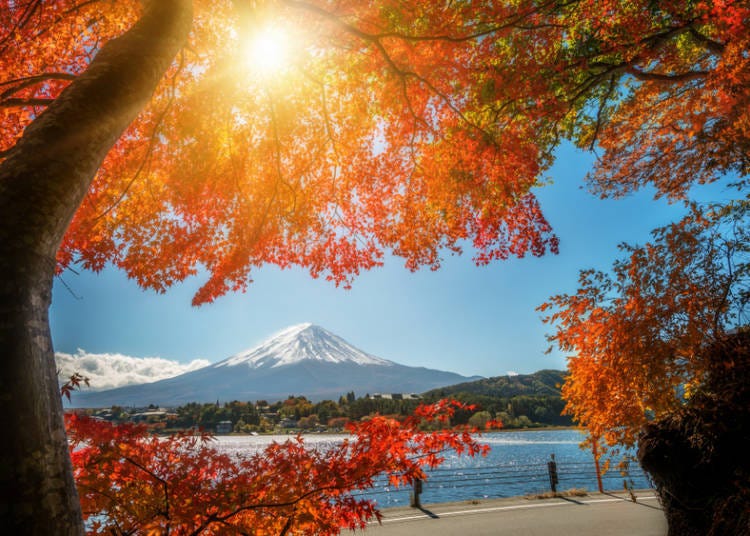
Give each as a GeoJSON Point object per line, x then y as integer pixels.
{"type": "Point", "coordinates": [642, 494]}
{"type": "Point", "coordinates": [344, 432]}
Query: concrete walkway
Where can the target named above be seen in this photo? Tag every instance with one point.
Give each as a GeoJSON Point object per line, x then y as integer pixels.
{"type": "Point", "coordinates": [593, 515]}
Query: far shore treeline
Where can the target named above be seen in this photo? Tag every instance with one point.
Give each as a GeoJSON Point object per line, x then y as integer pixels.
{"type": "Point", "coordinates": [518, 401]}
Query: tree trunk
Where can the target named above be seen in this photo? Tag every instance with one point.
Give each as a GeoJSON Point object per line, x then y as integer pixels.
{"type": "Point", "coordinates": [697, 456]}
{"type": "Point", "coordinates": [42, 182]}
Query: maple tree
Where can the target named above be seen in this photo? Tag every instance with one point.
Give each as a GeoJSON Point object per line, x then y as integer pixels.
{"type": "Point", "coordinates": [660, 89]}
{"type": "Point", "coordinates": [639, 335]}
{"type": "Point", "coordinates": [131, 482]}
{"type": "Point", "coordinates": [144, 135]}
{"type": "Point", "coordinates": [660, 361]}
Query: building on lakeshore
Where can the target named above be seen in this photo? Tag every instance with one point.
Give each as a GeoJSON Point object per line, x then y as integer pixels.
{"type": "Point", "coordinates": [224, 427]}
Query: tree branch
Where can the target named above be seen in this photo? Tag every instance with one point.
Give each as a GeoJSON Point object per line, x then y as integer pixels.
{"type": "Point", "coordinates": [25, 103]}
{"type": "Point", "coordinates": [164, 483]}
{"type": "Point", "coordinates": [513, 21]}
{"type": "Point", "coordinates": [714, 46]}
{"type": "Point", "coordinates": [663, 77]}
{"type": "Point", "coordinates": [600, 111]}
{"type": "Point", "coordinates": [27, 81]}
{"type": "Point", "coordinates": [22, 21]}
{"type": "Point", "coordinates": [375, 39]}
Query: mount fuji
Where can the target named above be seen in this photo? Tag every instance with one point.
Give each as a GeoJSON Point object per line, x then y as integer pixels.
{"type": "Point", "coordinates": [300, 360]}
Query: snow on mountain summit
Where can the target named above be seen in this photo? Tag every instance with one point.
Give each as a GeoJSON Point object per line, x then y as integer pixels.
{"type": "Point", "coordinates": [299, 343]}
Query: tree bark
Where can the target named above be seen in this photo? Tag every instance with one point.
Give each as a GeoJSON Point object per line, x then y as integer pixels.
{"type": "Point", "coordinates": [43, 180]}
{"type": "Point", "coordinates": [697, 455]}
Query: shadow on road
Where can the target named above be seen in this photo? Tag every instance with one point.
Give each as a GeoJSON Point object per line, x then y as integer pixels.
{"type": "Point", "coordinates": [573, 501]}
{"type": "Point", "coordinates": [636, 501]}
{"type": "Point", "coordinates": [428, 513]}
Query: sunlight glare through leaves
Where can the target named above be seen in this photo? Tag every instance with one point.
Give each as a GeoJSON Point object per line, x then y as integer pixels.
{"type": "Point", "coordinates": [267, 52]}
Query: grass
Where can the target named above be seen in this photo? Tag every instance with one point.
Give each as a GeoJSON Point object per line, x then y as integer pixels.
{"type": "Point", "coordinates": [573, 492]}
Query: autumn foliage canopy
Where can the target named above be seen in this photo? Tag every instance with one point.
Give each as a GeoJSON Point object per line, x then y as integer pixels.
{"type": "Point", "coordinates": [382, 128]}
{"type": "Point", "coordinates": [378, 128]}
{"type": "Point", "coordinates": [668, 109]}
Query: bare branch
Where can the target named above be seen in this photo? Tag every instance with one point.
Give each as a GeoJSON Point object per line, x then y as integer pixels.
{"type": "Point", "coordinates": [27, 81]}
{"type": "Point", "coordinates": [25, 103]}
{"type": "Point", "coordinates": [665, 77]}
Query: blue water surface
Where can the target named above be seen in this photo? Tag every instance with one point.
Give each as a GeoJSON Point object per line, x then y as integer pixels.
{"type": "Point", "coordinates": [516, 465]}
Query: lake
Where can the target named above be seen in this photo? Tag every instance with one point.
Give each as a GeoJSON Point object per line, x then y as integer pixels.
{"type": "Point", "coordinates": [516, 465]}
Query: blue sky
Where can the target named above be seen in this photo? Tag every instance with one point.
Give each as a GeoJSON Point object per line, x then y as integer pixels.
{"type": "Point", "coordinates": [463, 318]}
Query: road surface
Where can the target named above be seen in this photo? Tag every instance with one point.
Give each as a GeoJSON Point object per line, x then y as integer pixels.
{"type": "Point", "coordinates": [593, 515]}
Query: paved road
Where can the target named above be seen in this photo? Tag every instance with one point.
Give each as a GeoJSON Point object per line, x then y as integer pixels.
{"type": "Point", "coordinates": [594, 515]}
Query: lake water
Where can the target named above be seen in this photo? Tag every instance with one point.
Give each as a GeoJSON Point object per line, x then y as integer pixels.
{"type": "Point", "coordinates": [516, 465]}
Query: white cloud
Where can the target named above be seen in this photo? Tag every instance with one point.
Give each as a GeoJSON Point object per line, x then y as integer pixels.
{"type": "Point", "coordinates": [107, 371]}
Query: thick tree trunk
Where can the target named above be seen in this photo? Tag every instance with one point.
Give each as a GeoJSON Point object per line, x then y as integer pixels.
{"type": "Point", "coordinates": [697, 456]}
{"type": "Point", "coordinates": [42, 182]}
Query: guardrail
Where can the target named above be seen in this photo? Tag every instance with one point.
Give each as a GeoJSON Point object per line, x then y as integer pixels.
{"type": "Point", "coordinates": [446, 484]}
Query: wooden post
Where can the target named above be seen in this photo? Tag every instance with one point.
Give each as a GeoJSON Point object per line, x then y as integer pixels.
{"type": "Point", "coordinates": [415, 502]}
{"type": "Point", "coordinates": [552, 470]}
{"type": "Point", "coordinates": [595, 450]}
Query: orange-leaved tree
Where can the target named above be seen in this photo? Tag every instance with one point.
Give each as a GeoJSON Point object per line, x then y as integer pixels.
{"type": "Point", "coordinates": [660, 91]}
{"type": "Point", "coordinates": [134, 483]}
{"type": "Point", "coordinates": [168, 136]}
{"type": "Point", "coordinates": [661, 361]}
{"type": "Point", "coordinates": [640, 335]}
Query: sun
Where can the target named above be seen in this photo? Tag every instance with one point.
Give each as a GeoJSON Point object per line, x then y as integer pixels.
{"type": "Point", "coordinates": [267, 51]}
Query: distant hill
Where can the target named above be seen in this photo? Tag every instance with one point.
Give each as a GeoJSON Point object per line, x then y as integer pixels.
{"type": "Point", "coordinates": [519, 401]}
{"type": "Point", "coordinates": [541, 383]}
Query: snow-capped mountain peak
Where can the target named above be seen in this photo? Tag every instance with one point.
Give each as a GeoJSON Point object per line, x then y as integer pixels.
{"type": "Point", "coordinates": [299, 343]}
{"type": "Point", "coordinates": [304, 360]}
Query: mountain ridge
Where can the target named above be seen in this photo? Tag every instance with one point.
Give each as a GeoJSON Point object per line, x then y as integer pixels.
{"type": "Point", "coordinates": [545, 382]}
